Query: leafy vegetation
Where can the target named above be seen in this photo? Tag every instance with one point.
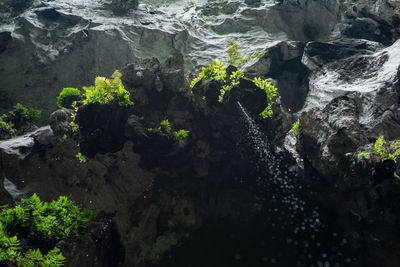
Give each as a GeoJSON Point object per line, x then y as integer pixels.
{"type": "Point", "coordinates": [180, 135]}
{"type": "Point", "coordinates": [7, 126]}
{"type": "Point", "coordinates": [33, 218]}
{"type": "Point", "coordinates": [296, 127]}
{"type": "Point", "coordinates": [21, 114]}
{"type": "Point", "coordinates": [217, 71]}
{"type": "Point", "coordinates": [165, 127]}
{"type": "Point", "coordinates": [68, 96]}
{"type": "Point", "coordinates": [81, 157]}
{"type": "Point", "coordinates": [107, 91]}
{"type": "Point", "coordinates": [235, 58]}
{"type": "Point", "coordinates": [382, 151]}
{"type": "Point", "coordinates": [18, 118]}
{"type": "Point", "coordinates": [270, 90]}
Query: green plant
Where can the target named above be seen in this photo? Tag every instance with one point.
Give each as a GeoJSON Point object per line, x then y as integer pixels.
{"type": "Point", "coordinates": [107, 91]}
{"type": "Point", "coordinates": [81, 157]}
{"type": "Point", "coordinates": [63, 138]}
{"type": "Point", "coordinates": [234, 80]}
{"type": "Point", "coordinates": [235, 58]}
{"type": "Point", "coordinates": [296, 127]}
{"type": "Point", "coordinates": [68, 96]}
{"type": "Point", "coordinates": [164, 127]}
{"type": "Point", "coordinates": [7, 126]}
{"type": "Point", "coordinates": [21, 114]}
{"type": "Point", "coordinates": [382, 151]}
{"type": "Point", "coordinates": [180, 135]}
{"type": "Point", "coordinates": [33, 218]}
{"type": "Point", "coordinates": [217, 71]}
{"type": "Point", "coordinates": [149, 129]}
{"type": "Point", "coordinates": [270, 90]}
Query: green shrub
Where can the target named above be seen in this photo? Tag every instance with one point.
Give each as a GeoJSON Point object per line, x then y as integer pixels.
{"type": "Point", "coordinates": [180, 135]}
{"type": "Point", "coordinates": [165, 127]}
{"type": "Point", "coordinates": [107, 91]}
{"type": "Point", "coordinates": [21, 114]}
{"type": "Point", "coordinates": [7, 126]}
{"type": "Point", "coordinates": [382, 151]}
{"type": "Point", "coordinates": [217, 71]}
{"type": "Point", "coordinates": [68, 96]}
{"type": "Point", "coordinates": [235, 58]}
{"type": "Point", "coordinates": [51, 221]}
{"type": "Point", "coordinates": [81, 157]}
{"type": "Point", "coordinates": [296, 127]}
{"type": "Point", "coordinates": [270, 90]}
{"type": "Point", "coordinates": [19, 117]}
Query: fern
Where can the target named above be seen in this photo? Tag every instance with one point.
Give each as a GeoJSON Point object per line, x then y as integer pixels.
{"type": "Point", "coordinates": [180, 135]}
{"type": "Point", "coordinates": [296, 127]}
{"type": "Point", "coordinates": [270, 91]}
{"type": "Point", "coordinates": [235, 58]}
{"type": "Point", "coordinates": [107, 91]}
{"type": "Point", "coordinates": [56, 220]}
{"type": "Point", "coordinates": [216, 70]}
{"type": "Point", "coordinates": [164, 127]}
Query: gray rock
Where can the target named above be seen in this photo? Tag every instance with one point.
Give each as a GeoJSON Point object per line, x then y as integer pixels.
{"type": "Point", "coordinates": [60, 121]}
{"type": "Point", "coordinates": [252, 2]}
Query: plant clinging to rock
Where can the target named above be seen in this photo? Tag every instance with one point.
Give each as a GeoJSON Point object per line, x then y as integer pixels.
{"type": "Point", "coordinates": [50, 221]}
{"type": "Point", "coordinates": [107, 91]}
{"type": "Point", "coordinates": [235, 58]}
{"type": "Point", "coordinates": [217, 71]}
{"type": "Point", "coordinates": [68, 96]}
{"type": "Point", "coordinates": [270, 90]}
{"type": "Point", "coordinates": [296, 127]}
{"type": "Point", "coordinates": [382, 151]}
{"type": "Point", "coordinates": [165, 127]}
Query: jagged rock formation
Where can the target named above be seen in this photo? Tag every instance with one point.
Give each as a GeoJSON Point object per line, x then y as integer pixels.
{"type": "Point", "coordinates": [338, 75]}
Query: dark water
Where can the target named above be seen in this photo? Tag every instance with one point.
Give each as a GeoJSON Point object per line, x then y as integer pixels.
{"type": "Point", "coordinates": [289, 229]}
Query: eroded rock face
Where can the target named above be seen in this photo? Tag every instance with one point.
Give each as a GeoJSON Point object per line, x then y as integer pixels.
{"type": "Point", "coordinates": [353, 98]}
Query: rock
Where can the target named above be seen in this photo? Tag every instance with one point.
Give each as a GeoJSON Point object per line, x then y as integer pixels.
{"type": "Point", "coordinates": [384, 170]}
{"type": "Point", "coordinates": [5, 38]}
{"type": "Point", "coordinates": [101, 128]}
{"type": "Point", "coordinates": [282, 62]}
{"type": "Point", "coordinates": [60, 121]}
{"type": "Point", "coordinates": [144, 74]}
{"type": "Point", "coordinates": [20, 146]}
{"type": "Point", "coordinates": [135, 131]}
{"type": "Point", "coordinates": [253, 99]}
{"type": "Point", "coordinates": [173, 73]}
{"type": "Point", "coordinates": [123, 6]}
{"type": "Point", "coordinates": [252, 2]}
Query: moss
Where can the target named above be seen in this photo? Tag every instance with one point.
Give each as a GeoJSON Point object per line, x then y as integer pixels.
{"type": "Point", "coordinates": [68, 96]}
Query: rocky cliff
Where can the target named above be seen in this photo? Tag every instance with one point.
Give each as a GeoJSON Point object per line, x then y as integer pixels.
{"type": "Point", "coordinates": [239, 190]}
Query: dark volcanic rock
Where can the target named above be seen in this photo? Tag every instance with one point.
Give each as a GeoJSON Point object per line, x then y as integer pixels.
{"type": "Point", "coordinates": [123, 6]}
{"type": "Point", "coordinates": [282, 62]}
{"type": "Point", "coordinates": [101, 128]}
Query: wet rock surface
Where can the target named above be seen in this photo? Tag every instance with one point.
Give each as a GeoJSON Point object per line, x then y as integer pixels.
{"type": "Point", "coordinates": [230, 185]}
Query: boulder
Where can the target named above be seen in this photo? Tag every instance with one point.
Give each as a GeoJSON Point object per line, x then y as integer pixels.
{"type": "Point", "coordinates": [282, 62]}
{"type": "Point", "coordinates": [101, 128]}
{"type": "Point", "coordinates": [60, 121]}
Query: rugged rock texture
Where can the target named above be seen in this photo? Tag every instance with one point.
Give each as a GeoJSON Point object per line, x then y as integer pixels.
{"type": "Point", "coordinates": [151, 193]}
